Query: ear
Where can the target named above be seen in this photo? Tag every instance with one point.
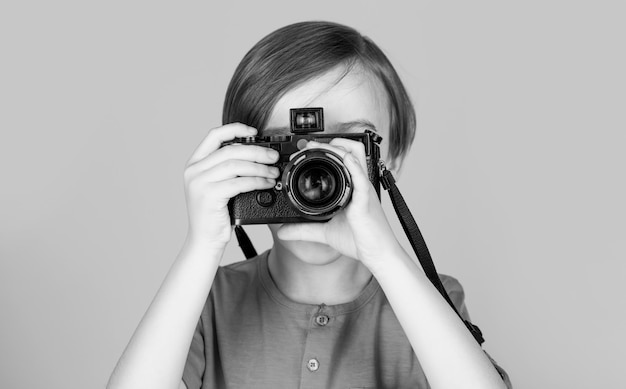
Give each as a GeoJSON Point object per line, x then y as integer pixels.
{"type": "Point", "coordinates": [395, 164]}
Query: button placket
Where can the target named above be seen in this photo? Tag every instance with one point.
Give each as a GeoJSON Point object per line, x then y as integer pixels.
{"type": "Point", "coordinates": [314, 368]}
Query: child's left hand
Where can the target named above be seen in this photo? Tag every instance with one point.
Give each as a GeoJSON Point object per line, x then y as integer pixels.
{"type": "Point", "coordinates": [359, 231]}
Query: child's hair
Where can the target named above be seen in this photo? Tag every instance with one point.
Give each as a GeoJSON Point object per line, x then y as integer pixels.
{"type": "Point", "coordinates": [299, 52]}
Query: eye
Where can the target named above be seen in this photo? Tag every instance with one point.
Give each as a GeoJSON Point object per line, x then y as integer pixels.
{"type": "Point", "coordinates": [356, 126]}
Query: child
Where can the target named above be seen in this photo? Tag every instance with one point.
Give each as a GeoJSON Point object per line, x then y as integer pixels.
{"type": "Point", "coordinates": [334, 304]}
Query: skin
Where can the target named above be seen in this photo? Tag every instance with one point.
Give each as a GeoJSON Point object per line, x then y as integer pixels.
{"type": "Point", "coordinates": [341, 254]}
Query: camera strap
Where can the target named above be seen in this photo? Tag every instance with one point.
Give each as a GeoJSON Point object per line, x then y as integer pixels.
{"type": "Point", "coordinates": [413, 234]}
{"type": "Point", "coordinates": [244, 242]}
{"type": "Point", "coordinates": [419, 245]}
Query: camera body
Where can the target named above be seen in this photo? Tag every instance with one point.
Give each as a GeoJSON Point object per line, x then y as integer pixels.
{"type": "Point", "coordinates": [313, 184]}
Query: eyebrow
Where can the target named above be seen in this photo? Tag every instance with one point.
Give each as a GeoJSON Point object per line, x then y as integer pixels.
{"type": "Point", "coordinates": [337, 128]}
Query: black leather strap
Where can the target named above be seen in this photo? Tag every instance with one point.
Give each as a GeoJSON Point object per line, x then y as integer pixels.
{"type": "Point", "coordinates": [244, 242]}
{"type": "Point", "coordinates": [419, 245]}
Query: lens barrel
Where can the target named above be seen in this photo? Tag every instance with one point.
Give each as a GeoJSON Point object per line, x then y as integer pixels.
{"type": "Point", "coordinates": [317, 183]}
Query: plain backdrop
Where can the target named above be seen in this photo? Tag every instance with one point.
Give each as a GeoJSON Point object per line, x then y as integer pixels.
{"type": "Point", "coordinates": [516, 176]}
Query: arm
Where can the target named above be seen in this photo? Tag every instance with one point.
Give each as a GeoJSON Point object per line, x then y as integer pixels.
{"type": "Point", "coordinates": [448, 353]}
{"type": "Point", "coordinates": [156, 354]}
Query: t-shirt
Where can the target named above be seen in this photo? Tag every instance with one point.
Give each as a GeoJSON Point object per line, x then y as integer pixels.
{"type": "Point", "coordinates": [250, 335]}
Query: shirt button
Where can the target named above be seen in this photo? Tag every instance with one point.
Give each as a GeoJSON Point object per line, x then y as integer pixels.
{"type": "Point", "coordinates": [321, 320]}
{"type": "Point", "coordinates": [313, 364]}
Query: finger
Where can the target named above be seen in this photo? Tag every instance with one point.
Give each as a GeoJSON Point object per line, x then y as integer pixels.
{"type": "Point", "coordinates": [326, 146]}
{"type": "Point", "coordinates": [232, 187]}
{"type": "Point", "coordinates": [219, 135]}
{"type": "Point", "coordinates": [358, 166]}
{"type": "Point", "coordinates": [233, 168]}
{"type": "Point", "coordinates": [310, 232]}
{"type": "Point", "coordinates": [362, 184]}
{"type": "Point", "coordinates": [252, 153]}
{"type": "Point", "coordinates": [342, 147]}
{"type": "Point", "coordinates": [356, 148]}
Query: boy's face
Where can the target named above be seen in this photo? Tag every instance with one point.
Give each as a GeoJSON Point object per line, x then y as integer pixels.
{"type": "Point", "coordinates": [351, 104]}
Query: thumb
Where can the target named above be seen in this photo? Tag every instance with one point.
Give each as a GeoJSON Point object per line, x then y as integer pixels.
{"type": "Point", "coordinates": [310, 232]}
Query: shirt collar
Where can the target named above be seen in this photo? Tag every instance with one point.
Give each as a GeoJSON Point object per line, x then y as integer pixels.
{"type": "Point", "coordinates": [272, 290]}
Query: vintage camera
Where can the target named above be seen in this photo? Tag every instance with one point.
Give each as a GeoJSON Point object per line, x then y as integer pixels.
{"type": "Point", "coordinates": [314, 184]}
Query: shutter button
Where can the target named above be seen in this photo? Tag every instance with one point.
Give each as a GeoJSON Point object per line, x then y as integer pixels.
{"type": "Point", "coordinates": [321, 320]}
{"type": "Point", "coordinates": [313, 364]}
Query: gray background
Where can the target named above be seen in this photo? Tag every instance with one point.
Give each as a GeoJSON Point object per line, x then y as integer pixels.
{"type": "Point", "coordinates": [516, 177]}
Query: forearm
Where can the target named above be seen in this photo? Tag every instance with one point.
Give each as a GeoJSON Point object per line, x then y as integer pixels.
{"type": "Point", "coordinates": [448, 353]}
{"type": "Point", "coordinates": [156, 354]}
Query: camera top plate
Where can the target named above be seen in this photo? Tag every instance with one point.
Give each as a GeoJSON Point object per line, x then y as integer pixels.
{"type": "Point", "coordinates": [289, 144]}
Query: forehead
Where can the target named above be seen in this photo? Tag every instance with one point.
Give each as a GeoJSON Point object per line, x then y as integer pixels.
{"type": "Point", "coordinates": [348, 100]}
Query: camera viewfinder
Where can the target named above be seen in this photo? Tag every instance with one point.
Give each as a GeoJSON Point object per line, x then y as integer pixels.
{"type": "Point", "coordinates": [305, 120]}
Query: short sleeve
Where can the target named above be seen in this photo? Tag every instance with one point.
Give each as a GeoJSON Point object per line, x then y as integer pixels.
{"type": "Point", "coordinates": [457, 296]}
{"type": "Point", "coordinates": [502, 372]}
{"type": "Point", "coordinates": [196, 361]}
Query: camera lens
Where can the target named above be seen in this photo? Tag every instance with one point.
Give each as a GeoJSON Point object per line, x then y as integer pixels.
{"type": "Point", "coordinates": [317, 184]}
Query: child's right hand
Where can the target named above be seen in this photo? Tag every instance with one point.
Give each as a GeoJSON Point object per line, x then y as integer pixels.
{"type": "Point", "coordinates": [214, 174]}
